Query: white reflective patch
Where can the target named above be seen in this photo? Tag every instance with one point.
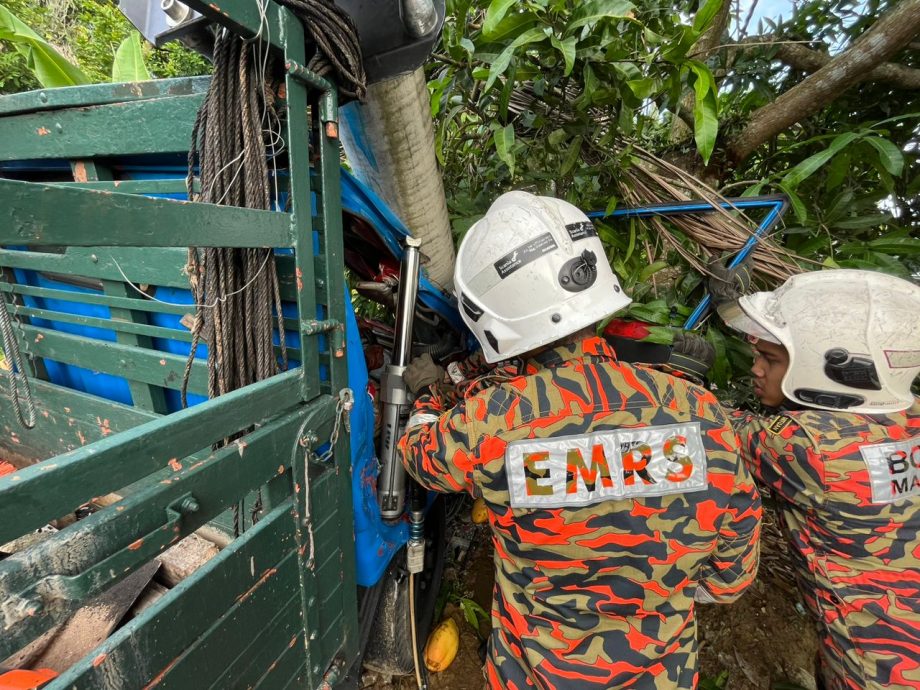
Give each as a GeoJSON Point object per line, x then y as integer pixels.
{"type": "Point", "coordinates": [421, 419]}
{"type": "Point", "coordinates": [894, 469]}
{"type": "Point", "coordinates": [903, 359]}
{"type": "Point", "coordinates": [581, 470]}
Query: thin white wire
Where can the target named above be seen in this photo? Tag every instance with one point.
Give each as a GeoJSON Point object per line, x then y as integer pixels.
{"type": "Point", "coordinates": [219, 300]}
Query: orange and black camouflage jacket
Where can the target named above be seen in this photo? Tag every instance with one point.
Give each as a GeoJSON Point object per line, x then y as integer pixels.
{"type": "Point", "coordinates": [849, 489]}
{"type": "Point", "coordinates": [615, 496]}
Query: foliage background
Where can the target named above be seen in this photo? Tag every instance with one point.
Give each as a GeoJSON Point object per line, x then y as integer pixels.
{"type": "Point", "coordinates": [591, 100]}
{"type": "Point", "coordinates": [86, 32]}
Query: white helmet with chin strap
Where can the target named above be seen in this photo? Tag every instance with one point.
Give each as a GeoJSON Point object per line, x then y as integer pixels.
{"type": "Point", "coordinates": [853, 337]}
{"type": "Point", "coordinates": [531, 272]}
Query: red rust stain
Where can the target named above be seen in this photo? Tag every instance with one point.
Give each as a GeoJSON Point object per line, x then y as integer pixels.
{"type": "Point", "coordinates": [79, 172]}
{"type": "Point", "coordinates": [82, 438]}
{"type": "Point", "coordinates": [99, 659]}
{"type": "Point", "coordinates": [292, 642]}
{"type": "Point", "coordinates": [299, 275]}
{"type": "Point", "coordinates": [161, 675]}
{"type": "Point", "coordinates": [39, 338]}
{"type": "Point", "coordinates": [261, 581]}
{"type": "Point", "coordinates": [162, 362]}
{"type": "Point", "coordinates": [45, 414]}
{"type": "Point", "coordinates": [296, 488]}
{"type": "Point", "coordinates": [42, 131]}
{"type": "Point", "coordinates": [134, 546]}
{"type": "Point", "coordinates": [104, 427]}
{"type": "Point", "coordinates": [280, 469]}
{"type": "Point", "coordinates": [175, 464]}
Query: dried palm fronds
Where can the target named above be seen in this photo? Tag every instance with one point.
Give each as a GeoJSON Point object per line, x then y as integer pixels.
{"type": "Point", "coordinates": [645, 178]}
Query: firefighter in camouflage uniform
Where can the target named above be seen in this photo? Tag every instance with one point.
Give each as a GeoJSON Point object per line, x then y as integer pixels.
{"type": "Point", "coordinates": [616, 496]}
{"type": "Point", "coordinates": [835, 354]}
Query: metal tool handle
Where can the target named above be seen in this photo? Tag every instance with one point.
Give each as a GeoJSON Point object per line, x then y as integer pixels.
{"type": "Point", "coordinates": [391, 486]}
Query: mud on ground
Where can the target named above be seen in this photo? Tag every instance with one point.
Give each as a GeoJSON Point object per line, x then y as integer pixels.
{"type": "Point", "coordinates": [763, 641]}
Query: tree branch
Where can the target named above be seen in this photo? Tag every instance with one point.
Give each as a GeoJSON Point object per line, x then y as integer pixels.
{"type": "Point", "coordinates": [800, 57]}
{"type": "Point", "coordinates": [886, 37]}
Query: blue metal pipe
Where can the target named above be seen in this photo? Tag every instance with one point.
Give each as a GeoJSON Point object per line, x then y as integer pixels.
{"type": "Point", "coordinates": [776, 203]}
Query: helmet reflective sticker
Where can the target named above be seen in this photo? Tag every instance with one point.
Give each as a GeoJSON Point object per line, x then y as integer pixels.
{"type": "Point", "coordinates": [581, 230]}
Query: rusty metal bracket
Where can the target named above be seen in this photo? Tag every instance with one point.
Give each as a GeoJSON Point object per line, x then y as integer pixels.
{"type": "Point", "coordinates": [335, 329]}
{"type": "Point", "coordinates": [328, 100]}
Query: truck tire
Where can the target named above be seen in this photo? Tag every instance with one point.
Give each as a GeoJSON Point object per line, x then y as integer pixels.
{"type": "Point", "coordinates": [389, 649]}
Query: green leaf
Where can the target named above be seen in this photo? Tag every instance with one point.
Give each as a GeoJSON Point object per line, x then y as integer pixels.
{"type": "Point", "coordinates": [129, 61]}
{"type": "Point", "coordinates": [810, 165]}
{"type": "Point", "coordinates": [720, 367]}
{"type": "Point", "coordinates": [469, 613]}
{"type": "Point", "coordinates": [494, 15]}
{"type": "Point", "coordinates": [661, 335]}
{"type": "Point", "coordinates": [504, 59]}
{"type": "Point", "coordinates": [504, 142]}
{"type": "Point", "coordinates": [643, 88]}
{"type": "Point", "coordinates": [571, 156]}
{"type": "Point", "coordinates": [632, 242]}
{"type": "Point", "coordinates": [556, 137]}
{"type": "Point", "coordinates": [611, 205]}
{"type": "Point", "coordinates": [567, 48]}
{"type": "Point", "coordinates": [595, 10]}
{"type": "Point", "coordinates": [798, 207]}
{"type": "Point", "coordinates": [889, 155]}
{"type": "Point", "coordinates": [863, 222]}
{"type": "Point", "coordinates": [705, 110]}
{"type": "Point", "coordinates": [837, 170]}
{"type": "Point", "coordinates": [50, 68]}
{"type": "Point", "coordinates": [898, 247]}
{"type": "Point", "coordinates": [653, 312]}
{"type": "Point", "coordinates": [651, 269]}
{"type": "Point", "coordinates": [707, 13]}
{"type": "Point", "coordinates": [511, 26]}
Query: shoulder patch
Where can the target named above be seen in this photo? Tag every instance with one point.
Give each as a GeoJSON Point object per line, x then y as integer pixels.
{"type": "Point", "coordinates": [894, 469]}
{"type": "Point", "coordinates": [778, 423]}
{"type": "Point", "coordinates": [581, 470]}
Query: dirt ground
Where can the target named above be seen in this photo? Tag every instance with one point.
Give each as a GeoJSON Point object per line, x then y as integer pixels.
{"type": "Point", "coordinates": [764, 641]}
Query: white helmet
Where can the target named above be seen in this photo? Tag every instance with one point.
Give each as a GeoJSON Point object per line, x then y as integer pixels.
{"type": "Point", "coordinates": [853, 337]}
{"type": "Point", "coordinates": [531, 272]}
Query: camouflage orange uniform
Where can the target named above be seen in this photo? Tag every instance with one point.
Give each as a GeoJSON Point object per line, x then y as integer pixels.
{"type": "Point", "coordinates": [849, 487]}
{"type": "Point", "coordinates": [614, 493]}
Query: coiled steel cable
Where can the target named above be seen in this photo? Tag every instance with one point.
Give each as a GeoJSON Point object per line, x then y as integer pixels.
{"type": "Point", "coordinates": [20, 391]}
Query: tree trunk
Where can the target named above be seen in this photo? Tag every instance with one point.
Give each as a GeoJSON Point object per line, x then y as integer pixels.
{"type": "Point", "coordinates": [886, 37]}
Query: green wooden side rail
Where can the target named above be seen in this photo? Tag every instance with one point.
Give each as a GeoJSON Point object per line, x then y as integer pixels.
{"type": "Point", "coordinates": [277, 607]}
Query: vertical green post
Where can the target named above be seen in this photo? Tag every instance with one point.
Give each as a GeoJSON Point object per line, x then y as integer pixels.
{"type": "Point", "coordinates": [292, 37]}
{"type": "Point", "coordinates": [301, 207]}
{"type": "Point", "coordinates": [329, 205]}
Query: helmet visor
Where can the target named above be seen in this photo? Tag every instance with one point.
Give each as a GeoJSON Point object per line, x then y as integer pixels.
{"type": "Point", "coordinates": [734, 314]}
